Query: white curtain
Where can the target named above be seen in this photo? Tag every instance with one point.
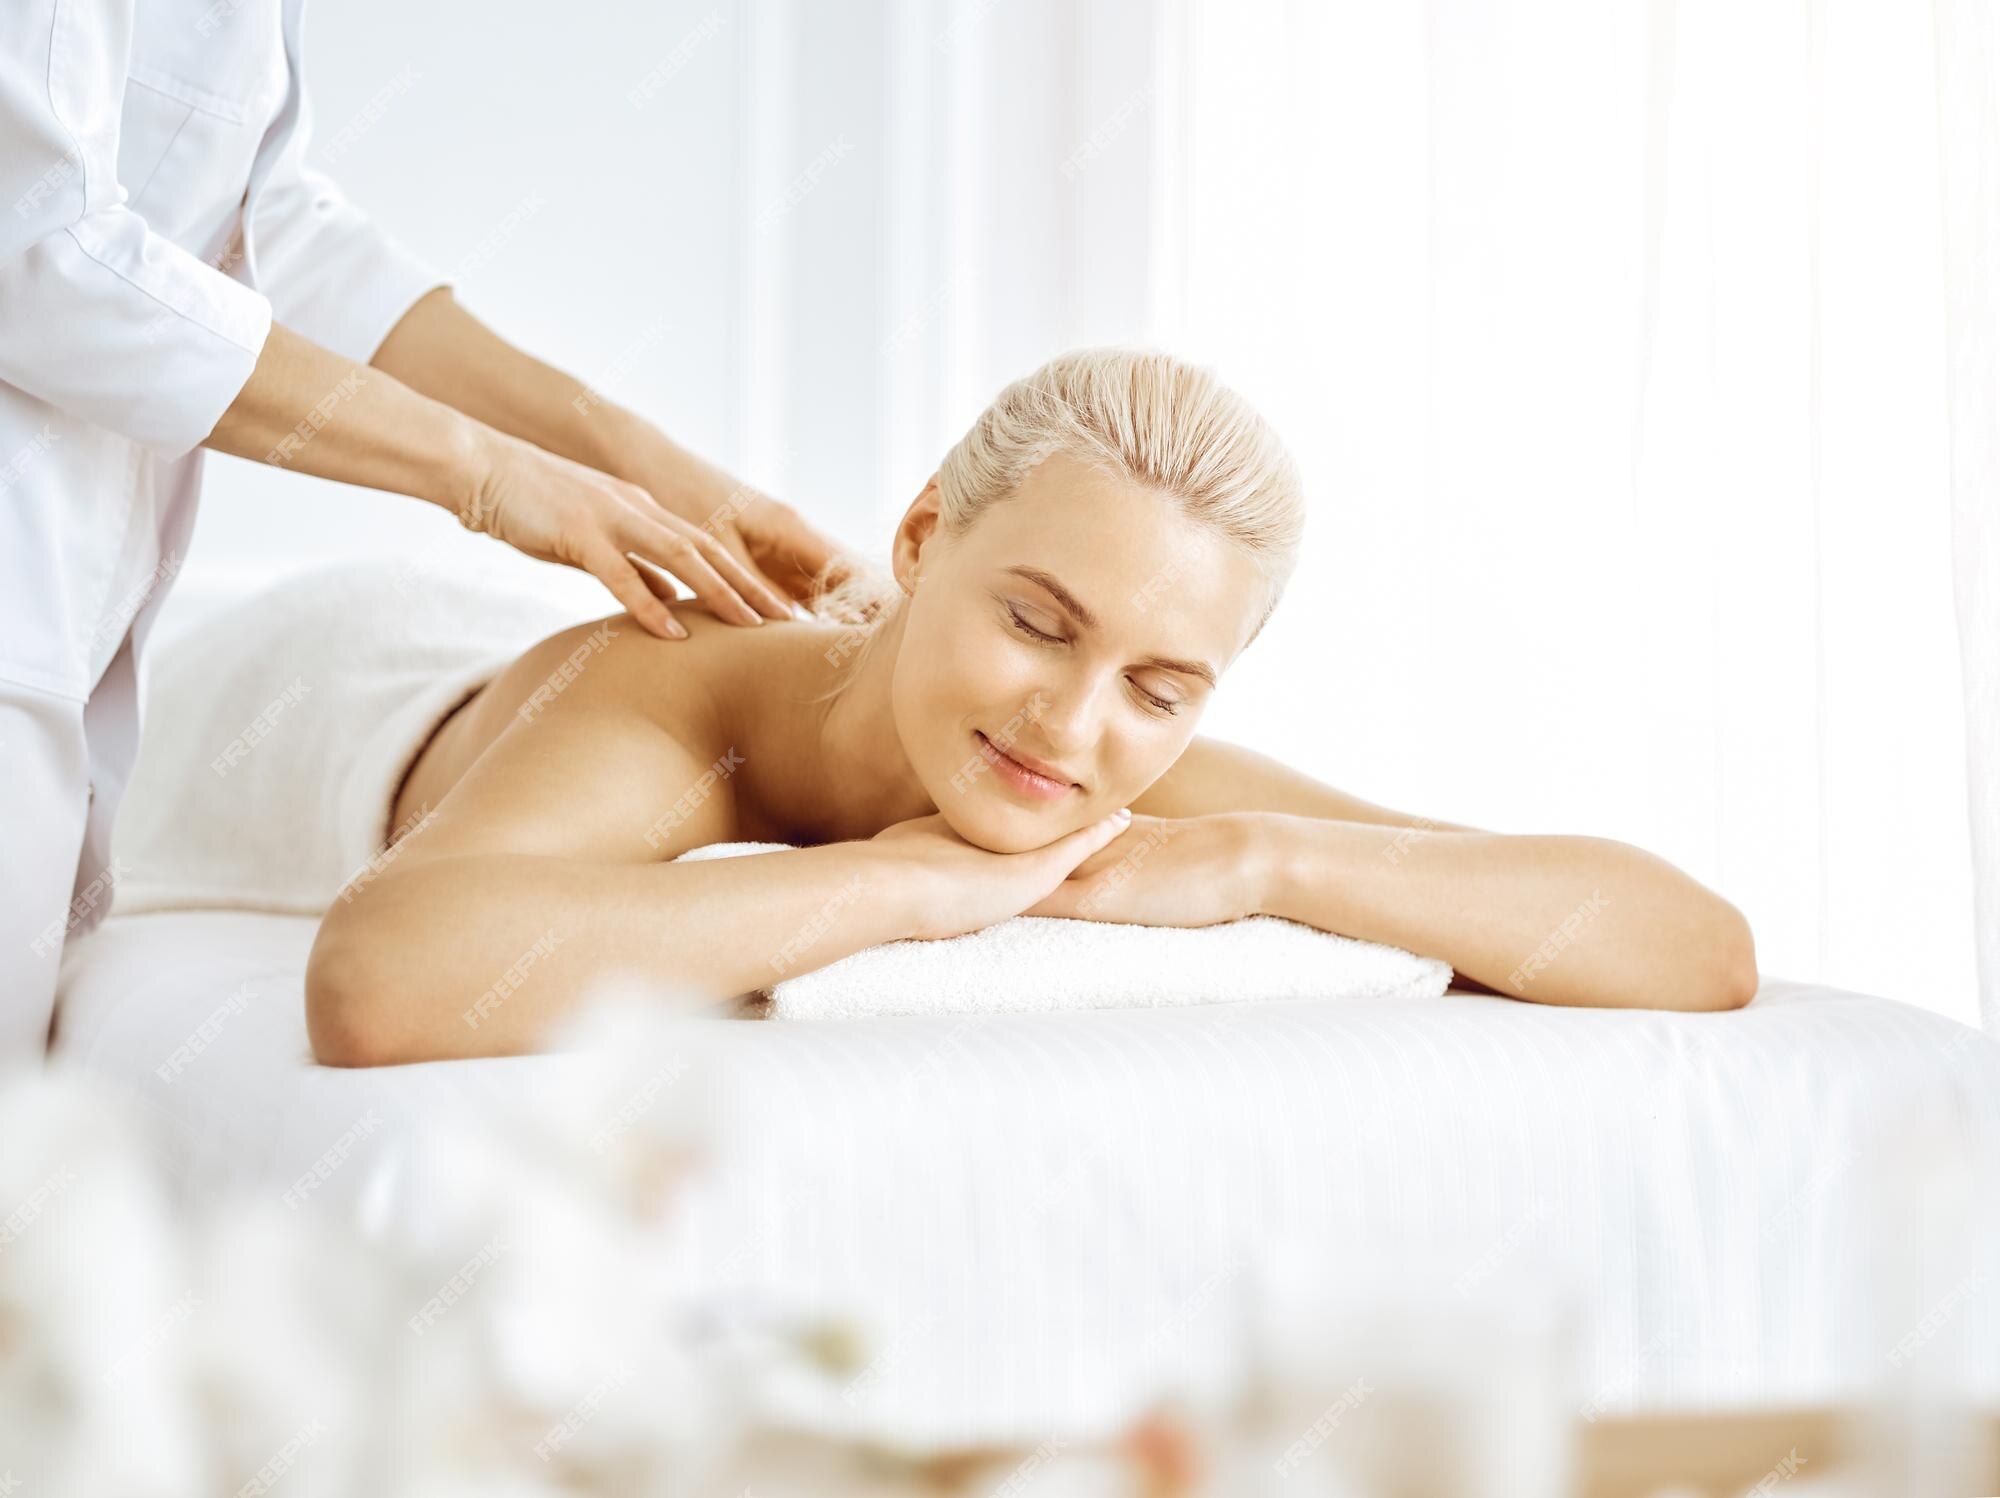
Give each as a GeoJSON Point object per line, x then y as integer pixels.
{"type": "Point", "coordinates": [1613, 339]}
{"type": "Point", "coordinates": [1968, 82]}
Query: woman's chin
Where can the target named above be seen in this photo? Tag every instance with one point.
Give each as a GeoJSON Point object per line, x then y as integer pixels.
{"type": "Point", "coordinates": [986, 821]}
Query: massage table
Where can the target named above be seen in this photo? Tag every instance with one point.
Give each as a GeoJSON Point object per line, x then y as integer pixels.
{"type": "Point", "coordinates": [1044, 1223]}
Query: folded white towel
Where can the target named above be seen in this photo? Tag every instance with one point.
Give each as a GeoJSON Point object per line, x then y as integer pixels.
{"type": "Point", "coordinates": [1048, 962]}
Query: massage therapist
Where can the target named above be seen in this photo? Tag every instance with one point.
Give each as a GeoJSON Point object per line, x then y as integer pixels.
{"type": "Point", "coordinates": [174, 277]}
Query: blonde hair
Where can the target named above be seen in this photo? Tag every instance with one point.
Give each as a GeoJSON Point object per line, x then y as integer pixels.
{"type": "Point", "coordinates": [1141, 416]}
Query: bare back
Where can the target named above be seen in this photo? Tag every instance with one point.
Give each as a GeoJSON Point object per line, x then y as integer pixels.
{"type": "Point", "coordinates": [588, 743]}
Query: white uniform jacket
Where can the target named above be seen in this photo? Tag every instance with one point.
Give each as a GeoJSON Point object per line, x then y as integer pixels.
{"type": "Point", "coordinates": [156, 215]}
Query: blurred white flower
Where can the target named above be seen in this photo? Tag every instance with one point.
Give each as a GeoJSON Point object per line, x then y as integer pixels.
{"type": "Point", "coordinates": [516, 1333]}
{"type": "Point", "coordinates": [547, 1347]}
{"type": "Point", "coordinates": [94, 1397]}
{"type": "Point", "coordinates": [293, 1353]}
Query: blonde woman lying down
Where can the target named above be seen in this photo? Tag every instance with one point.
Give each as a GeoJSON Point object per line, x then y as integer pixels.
{"type": "Point", "coordinates": [1016, 715]}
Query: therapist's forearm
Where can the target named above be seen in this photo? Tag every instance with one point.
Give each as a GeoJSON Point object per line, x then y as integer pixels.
{"type": "Point", "coordinates": [309, 409]}
{"type": "Point", "coordinates": [443, 351]}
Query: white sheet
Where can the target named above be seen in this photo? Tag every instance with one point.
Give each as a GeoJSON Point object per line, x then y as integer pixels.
{"type": "Point", "coordinates": [1038, 1211]}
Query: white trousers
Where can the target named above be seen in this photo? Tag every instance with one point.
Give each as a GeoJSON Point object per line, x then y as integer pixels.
{"type": "Point", "coordinates": [92, 533]}
{"type": "Point", "coordinates": [63, 768]}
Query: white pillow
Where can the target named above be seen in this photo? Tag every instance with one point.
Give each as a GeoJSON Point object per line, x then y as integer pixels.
{"type": "Point", "coordinates": [1047, 962]}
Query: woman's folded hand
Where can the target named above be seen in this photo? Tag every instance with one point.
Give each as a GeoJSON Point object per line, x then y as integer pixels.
{"type": "Point", "coordinates": [1167, 871]}
{"type": "Point", "coordinates": [956, 886]}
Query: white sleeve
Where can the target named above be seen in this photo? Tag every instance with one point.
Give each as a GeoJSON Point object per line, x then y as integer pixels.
{"type": "Point", "coordinates": [100, 316]}
{"type": "Point", "coordinates": [330, 273]}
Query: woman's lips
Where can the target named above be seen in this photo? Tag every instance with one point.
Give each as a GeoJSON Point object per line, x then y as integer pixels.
{"type": "Point", "coordinates": [1028, 782]}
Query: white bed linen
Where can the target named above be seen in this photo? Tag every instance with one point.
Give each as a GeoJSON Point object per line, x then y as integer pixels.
{"type": "Point", "coordinates": [1036, 1213]}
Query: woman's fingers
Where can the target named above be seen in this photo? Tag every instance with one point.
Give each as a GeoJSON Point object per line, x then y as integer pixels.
{"type": "Point", "coordinates": [1064, 900]}
{"type": "Point", "coordinates": [1073, 896]}
{"type": "Point", "coordinates": [1072, 849]}
{"type": "Point", "coordinates": [632, 590]}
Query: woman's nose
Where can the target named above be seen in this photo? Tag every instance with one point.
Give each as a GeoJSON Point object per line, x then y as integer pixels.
{"type": "Point", "coordinates": [1066, 713]}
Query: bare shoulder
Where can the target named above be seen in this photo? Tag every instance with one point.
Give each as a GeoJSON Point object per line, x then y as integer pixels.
{"type": "Point", "coordinates": [593, 744]}
{"type": "Point", "coordinates": [614, 663]}
{"type": "Point", "coordinates": [1215, 776]}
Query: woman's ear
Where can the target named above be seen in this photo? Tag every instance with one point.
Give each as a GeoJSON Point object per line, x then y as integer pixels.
{"type": "Point", "coordinates": [919, 525]}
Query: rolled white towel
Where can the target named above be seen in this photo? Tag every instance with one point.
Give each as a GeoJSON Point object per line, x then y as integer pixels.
{"type": "Point", "coordinates": [279, 726]}
{"type": "Point", "coordinates": [1048, 962]}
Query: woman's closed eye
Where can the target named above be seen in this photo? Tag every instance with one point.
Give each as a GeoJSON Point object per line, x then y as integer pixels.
{"type": "Point", "coordinates": [1021, 623]}
{"type": "Point", "coordinates": [1028, 629]}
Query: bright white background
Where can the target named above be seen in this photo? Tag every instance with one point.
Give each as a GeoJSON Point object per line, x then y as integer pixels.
{"type": "Point", "coordinates": [1611, 338]}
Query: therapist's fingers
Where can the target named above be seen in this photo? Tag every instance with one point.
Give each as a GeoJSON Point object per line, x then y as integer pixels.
{"type": "Point", "coordinates": [746, 576]}
{"type": "Point", "coordinates": [794, 554]}
{"type": "Point", "coordinates": [630, 588]}
{"type": "Point", "coordinates": [725, 548]}
{"type": "Point", "coordinates": [714, 536]}
{"type": "Point", "coordinates": [736, 548]}
{"type": "Point", "coordinates": [703, 563]}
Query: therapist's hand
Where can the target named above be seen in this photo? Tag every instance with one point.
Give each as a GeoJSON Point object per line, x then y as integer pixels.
{"type": "Point", "coordinates": [557, 510]}
{"type": "Point", "coordinates": [442, 351]}
{"type": "Point", "coordinates": [771, 539]}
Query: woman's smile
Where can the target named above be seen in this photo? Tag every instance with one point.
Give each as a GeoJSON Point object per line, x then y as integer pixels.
{"type": "Point", "coordinates": [1028, 780]}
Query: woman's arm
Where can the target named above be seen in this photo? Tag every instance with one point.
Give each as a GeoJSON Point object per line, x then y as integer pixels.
{"type": "Point", "coordinates": [1553, 919]}
{"type": "Point", "coordinates": [1559, 920]}
{"type": "Point", "coordinates": [480, 956]}
{"type": "Point", "coordinates": [542, 875]}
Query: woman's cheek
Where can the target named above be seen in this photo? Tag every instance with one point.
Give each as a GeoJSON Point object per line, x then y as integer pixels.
{"type": "Point", "coordinates": [937, 704]}
{"type": "Point", "coordinates": [1133, 772]}
{"type": "Point", "coordinates": [985, 661]}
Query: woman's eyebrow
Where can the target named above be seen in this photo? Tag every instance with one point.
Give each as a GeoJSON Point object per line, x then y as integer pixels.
{"type": "Point", "coordinates": [1080, 612]}
{"type": "Point", "coordinates": [1077, 609]}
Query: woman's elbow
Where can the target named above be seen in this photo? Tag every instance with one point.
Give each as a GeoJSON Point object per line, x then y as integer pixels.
{"type": "Point", "coordinates": [1730, 980]}
{"type": "Point", "coordinates": [344, 1004]}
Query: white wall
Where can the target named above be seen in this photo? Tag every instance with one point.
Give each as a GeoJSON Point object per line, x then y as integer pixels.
{"type": "Point", "coordinates": [808, 241]}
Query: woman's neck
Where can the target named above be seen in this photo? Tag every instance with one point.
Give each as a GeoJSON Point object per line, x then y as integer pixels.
{"type": "Point", "coordinates": [825, 769]}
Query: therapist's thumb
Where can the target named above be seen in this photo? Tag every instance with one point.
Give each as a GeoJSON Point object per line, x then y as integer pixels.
{"type": "Point", "coordinates": [796, 557]}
